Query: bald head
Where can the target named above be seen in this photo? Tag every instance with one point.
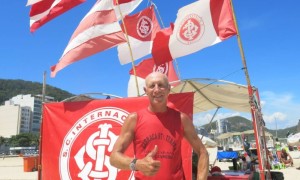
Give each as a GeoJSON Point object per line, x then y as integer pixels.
{"type": "Point", "coordinates": [157, 76]}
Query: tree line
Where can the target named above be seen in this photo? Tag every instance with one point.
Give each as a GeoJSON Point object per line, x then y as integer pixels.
{"type": "Point", "coordinates": [21, 140]}
{"type": "Point", "coordinates": [11, 88]}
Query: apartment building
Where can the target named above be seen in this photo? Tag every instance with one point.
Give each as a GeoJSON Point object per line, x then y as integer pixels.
{"type": "Point", "coordinates": [21, 113]}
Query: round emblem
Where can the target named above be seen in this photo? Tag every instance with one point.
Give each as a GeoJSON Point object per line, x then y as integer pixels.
{"type": "Point", "coordinates": [191, 29]}
{"type": "Point", "coordinates": [87, 146]}
{"type": "Point", "coordinates": [144, 26]}
{"type": "Point", "coordinates": [163, 68]}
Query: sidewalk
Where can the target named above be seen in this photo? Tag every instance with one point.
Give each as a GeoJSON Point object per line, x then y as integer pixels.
{"type": "Point", "coordinates": [11, 168]}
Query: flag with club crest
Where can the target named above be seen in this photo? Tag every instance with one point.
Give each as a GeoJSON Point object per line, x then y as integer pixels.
{"type": "Point", "coordinates": [198, 25]}
{"type": "Point", "coordinates": [141, 29]}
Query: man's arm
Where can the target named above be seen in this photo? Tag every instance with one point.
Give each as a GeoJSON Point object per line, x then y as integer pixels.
{"type": "Point", "coordinates": [291, 159]}
{"type": "Point", "coordinates": [192, 137]}
{"type": "Point", "coordinates": [117, 157]}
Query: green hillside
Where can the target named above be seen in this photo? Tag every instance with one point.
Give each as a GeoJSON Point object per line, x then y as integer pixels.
{"type": "Point", "coordinates": [11, 88]}
{"type": "Point", "coordinates": [240, 124]}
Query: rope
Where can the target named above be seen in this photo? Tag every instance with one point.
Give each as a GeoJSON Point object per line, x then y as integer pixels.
{"type": "Point", "coordinates": [222, 77]}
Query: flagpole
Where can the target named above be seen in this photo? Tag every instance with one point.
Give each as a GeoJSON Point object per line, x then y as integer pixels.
{"type": "Point", "coordinates": [130, 50]}
{"type": "Point", "coordinates": [250, 91]}
{"type": "Point", "coordinates": [41, 126]}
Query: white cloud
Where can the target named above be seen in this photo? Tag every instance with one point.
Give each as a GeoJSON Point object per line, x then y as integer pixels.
{"type": "Point", "coordinates": [279, 108]}
{"type": "Point", "coordinates": [205, 117]}
{"type": "Point", "coordinates": [277, 116]}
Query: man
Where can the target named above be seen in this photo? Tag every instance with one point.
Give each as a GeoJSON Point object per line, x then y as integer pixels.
{"type": "Point", "coordinates": [247, 147]}
{"type": "Point", "coordinates": [286, 158]}
{"type": "Point", "coordinates": [156, 133]}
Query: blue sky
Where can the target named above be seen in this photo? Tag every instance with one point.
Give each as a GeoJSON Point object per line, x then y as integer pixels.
{"type": "Point", "coordinates": [269, 32]}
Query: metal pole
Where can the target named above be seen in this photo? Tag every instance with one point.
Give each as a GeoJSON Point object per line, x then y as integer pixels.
{"type": "Point", "coordinates": [255, 122]}
{"type": "Point", "coordinates": [41, 126]}
{"type": "Point", "coordinates": [130, 50]}
{"type": "Point", "coordinates": [276, 126]}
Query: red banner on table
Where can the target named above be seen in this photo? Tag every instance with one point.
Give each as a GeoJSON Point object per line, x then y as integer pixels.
{"type": "Point", "coordinates": [78, 137]}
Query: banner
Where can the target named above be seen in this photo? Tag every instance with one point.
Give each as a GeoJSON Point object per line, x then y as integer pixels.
{"type": "Point", "coordinates": [78, 137]}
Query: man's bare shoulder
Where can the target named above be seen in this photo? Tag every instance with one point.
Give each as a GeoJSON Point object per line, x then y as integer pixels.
{"type": "Point", "coordinates": [132, 115]}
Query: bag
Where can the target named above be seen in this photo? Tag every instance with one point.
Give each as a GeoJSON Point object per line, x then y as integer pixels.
{"type": "Point", "coordinates": [275, 175]}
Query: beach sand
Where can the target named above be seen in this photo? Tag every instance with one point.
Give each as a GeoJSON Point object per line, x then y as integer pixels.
{"type": "Point", "coordinates": [11, 168]}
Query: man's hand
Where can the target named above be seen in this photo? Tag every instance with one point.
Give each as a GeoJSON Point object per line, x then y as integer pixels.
{"type": "Point", "coordinates": [148, 166]}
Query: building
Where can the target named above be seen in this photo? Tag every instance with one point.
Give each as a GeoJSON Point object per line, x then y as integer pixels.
{"type": "Point", "coordinates": [21, 113]}
{"type": "Point", "coordinates": [223, 126]}
{"type": "Point", "coordinates": [10, 117]}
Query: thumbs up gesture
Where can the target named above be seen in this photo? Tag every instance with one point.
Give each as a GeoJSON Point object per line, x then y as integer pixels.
{"type": "Point", "coordinates": [148, 166]}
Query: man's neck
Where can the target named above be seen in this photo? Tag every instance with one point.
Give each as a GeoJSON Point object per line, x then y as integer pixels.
{"type": "Point", "coordinates": [157, 109]}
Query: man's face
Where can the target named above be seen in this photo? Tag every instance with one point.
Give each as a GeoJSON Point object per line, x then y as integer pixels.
{"type": "Point", "coordinates": [157, 89]}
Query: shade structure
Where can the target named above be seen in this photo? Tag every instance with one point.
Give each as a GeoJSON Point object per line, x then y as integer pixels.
{"type": "Point", "coordinates": [294, 140]}
{"type": "Point", "coordinates": [230, 134]}
{"type": "Point", "coordinates": [212, 94]}
{"type": "Point", "coordinates": [252, 132]}
{"type": "Point", "coordinates": [207, 141]}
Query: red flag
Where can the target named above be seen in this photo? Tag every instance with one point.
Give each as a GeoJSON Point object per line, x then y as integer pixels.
{"type": "Point", "coordinates": [144, 68]}
{"type": "Point", "coordinates": [160, 44]}
{"type": "Point", "coordinates": [99, 30]}
{"type": "Point", "coordinates": [198, 25]}
{"type": "Point", "coordinates": [43, 11]}
{"type": "Point", "coordinates": [80, 147]}
{"type": "Point", "coordinates": [141, 29]}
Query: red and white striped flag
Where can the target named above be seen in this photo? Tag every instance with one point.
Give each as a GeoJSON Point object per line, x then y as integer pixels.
{"type": "Point", "coordinates": [144, 68]}
{"type": "Point", "coordinates": [99, 30]}
{"type": "Point", "coordinates": [141, 29]}
{"type": "Point", "coordinates": [198, 25]}
{"type": "Point", "coordinates": [31, 2]}
{"type": "Point", "coordinates": [42, 11]}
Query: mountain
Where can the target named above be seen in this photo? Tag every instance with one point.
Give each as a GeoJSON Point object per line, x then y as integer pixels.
{"type": "Point", "coordinates": [11, 88]}
{"type": "Point", "coordinates": [240, 124]}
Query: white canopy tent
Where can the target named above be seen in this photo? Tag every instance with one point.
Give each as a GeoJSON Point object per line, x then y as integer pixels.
{"type": "Point", "coordinates": [230, 134]}
{"type": "Point", "coordinates": [294, 140]}
{"type": "Point", "coordinates": [209, 143]}
{"type": "Point", "coordinates": [212, 94]}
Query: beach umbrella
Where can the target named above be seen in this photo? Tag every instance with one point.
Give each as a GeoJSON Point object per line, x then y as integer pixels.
{"type": "Point", "coordinates": [207, 141]}
{"type": "Point", "coordinates": [294, 140]}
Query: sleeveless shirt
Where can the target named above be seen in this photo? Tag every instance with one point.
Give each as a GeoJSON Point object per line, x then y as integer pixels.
{"type": "Point", "coordinates": [165, 131]}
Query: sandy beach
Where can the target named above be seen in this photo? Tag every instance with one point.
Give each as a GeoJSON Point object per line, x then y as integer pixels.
{"type": "Point", "coordinates": [11, 168]}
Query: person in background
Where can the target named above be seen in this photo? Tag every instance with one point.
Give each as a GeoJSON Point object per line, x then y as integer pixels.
{"type": "Point", "coordinates": [247, 146]}
{"type": "Point", "coordinates": [156, 133]}
{"type": "Point", "coordinates": [286, 158]}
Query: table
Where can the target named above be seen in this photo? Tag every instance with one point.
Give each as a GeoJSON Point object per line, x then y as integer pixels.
{"type": "Point", "coordinates": [227, 155]}
{"type": "Point", "coordinates": [233, 155]}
